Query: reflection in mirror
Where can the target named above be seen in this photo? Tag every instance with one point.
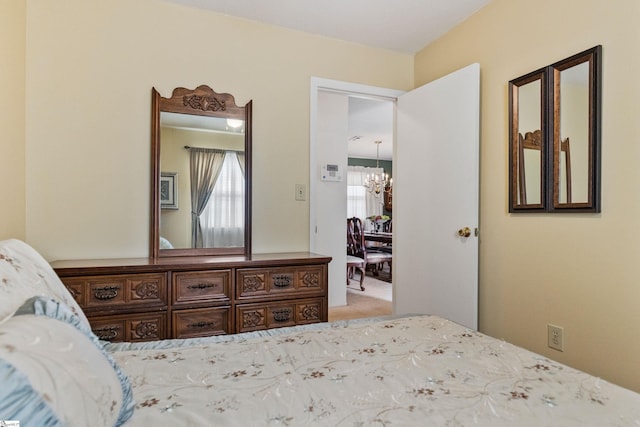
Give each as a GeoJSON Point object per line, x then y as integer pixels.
{"type": "Point", "coordinates": [530, 167]}
{"type": "Point", "coordinates": [574, 123]}
{"type": "Point", "coordinates": [564, 176]}
{"type": "Point", "coordinates": [575, 83]}
{"type": "Point", "coordinates": [188, 143]}
{"type": "Point", "coordinates": [527, 166]}
{"type": "Point", "coordinates": [201, 154]}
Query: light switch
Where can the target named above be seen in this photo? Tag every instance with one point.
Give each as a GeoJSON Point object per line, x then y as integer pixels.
{"type": "Point", "coordinates": [301, 192]}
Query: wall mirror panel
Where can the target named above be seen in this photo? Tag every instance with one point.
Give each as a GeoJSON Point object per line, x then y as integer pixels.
{"type": "Point", "coordinates": [200, 174]}
{"type": "Point", "coordinates": [554, 136]}
{"type": "Point", "coordinates": [528, 166]}
{"type": "Point", "coordinates": [575, 83]}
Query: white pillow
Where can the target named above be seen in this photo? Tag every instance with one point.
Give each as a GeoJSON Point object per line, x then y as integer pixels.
{"type": "Point", "coordinates": [24, 273]}
{"type": "Point", "coordinates": [54, 371]}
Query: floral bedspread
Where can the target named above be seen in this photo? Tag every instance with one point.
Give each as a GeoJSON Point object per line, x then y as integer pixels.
{"type": "Point", "coordinates": [407, 371]}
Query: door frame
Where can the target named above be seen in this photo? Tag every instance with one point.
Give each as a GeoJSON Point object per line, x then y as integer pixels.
{"type": "Point", "coordinates": [337, 269]}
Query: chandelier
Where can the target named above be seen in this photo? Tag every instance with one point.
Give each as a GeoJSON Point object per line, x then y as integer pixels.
{"type": "Point", "coordinates": [378, 183]}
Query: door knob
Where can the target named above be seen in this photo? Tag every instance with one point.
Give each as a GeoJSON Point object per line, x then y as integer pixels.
{"type": "Point", "coordinates": [464, 232]}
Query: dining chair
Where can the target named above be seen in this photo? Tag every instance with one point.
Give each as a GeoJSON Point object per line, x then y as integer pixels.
{"type": "Point", "coordinates": [356, 247]}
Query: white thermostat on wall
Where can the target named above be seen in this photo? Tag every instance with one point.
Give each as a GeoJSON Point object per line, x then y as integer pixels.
{"type": "Point", "coordinates": [331, 172]}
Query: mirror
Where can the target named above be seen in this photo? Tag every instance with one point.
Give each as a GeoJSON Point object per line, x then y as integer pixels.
{"type": "Point", "coordinates": [575, 82]}
{"type": "Point", "coordinates": [200, 174]}
{"type": "Point", "coordinates": [554, 137]}
{"type": "Point", "coordinates": [528, 174]}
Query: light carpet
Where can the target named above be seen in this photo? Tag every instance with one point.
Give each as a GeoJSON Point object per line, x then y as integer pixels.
{"type": "Point", "coordinates": [373, 288]}
{"type": "Point", "coordinates": [374, 301]}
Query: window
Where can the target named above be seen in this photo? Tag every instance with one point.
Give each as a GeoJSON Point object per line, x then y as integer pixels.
{"type": "Point", "coordinates": [360, 202]}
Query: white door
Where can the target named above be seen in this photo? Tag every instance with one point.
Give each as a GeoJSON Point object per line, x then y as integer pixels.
{"type": "Point", "coordinates": [436, 185]}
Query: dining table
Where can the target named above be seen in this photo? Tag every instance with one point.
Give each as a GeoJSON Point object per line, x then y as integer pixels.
{"type": "Point", "coordinates": [379, 236]}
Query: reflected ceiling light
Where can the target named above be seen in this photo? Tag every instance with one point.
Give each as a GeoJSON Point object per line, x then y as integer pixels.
{"type": "Point", "coordinates": [235, 123]}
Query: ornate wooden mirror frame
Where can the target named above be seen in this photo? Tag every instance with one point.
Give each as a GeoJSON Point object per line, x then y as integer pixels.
{"type": "Point", "coordinates": [560, 170]}
{"type": "Point", "coordinates": [192, 107]}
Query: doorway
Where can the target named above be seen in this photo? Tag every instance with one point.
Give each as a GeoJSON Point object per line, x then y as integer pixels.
{"type": "Point", "coordinates": [369, 178]}
{"type": "Point", "coordinates": [328, 198]}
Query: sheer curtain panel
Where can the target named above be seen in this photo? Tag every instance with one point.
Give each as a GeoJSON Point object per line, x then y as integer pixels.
{"type": "Point", "coordinates": [222, 220]}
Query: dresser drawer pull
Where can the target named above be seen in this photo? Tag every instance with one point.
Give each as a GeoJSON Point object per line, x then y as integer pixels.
{"type": "Point", "coordinates": [107, 333]}
{"type": "Point", "coordinates": [201, 324]}
{"type": "Point", "coordinates": [107, 292]}
{"type": "Point", "coordinates": [282, 315]}
{"type": "Point", "coordinates": [201, 286]}
{"type": "Point", "coordinates": [282, 280]}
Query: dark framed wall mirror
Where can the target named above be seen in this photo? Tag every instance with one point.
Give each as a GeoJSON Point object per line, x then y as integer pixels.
{"type": "Point", "coordinates": [554, 136]}
{"type": "Point", "coordinates": [200, 174]}
{"type": "Point", "coordinates": [527, 150]}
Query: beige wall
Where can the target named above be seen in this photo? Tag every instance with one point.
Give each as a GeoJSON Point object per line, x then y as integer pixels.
{"type": "Point", "coordinates": [12, 130]}
{"type": "Point", "coordinates": [578, 271]}
{"type": "Point", "coordinates": [91, 65]}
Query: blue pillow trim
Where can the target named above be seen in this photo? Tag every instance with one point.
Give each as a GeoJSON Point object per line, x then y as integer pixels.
{"type": "Point", "coordinates": [42, 306]}
{"type": "Point", "coordinates": [19, 401]}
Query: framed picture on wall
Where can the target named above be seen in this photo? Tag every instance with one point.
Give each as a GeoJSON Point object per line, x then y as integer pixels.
{"type": "Point", "coordinates": [169, 190]}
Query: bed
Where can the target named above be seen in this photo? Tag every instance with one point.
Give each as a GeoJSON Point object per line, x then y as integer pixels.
{"type": "Point", "coordinates": [405, 370]}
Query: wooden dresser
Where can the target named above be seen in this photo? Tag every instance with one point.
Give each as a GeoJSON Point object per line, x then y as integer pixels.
{"type": "Point", "coordinates": [139, 299]}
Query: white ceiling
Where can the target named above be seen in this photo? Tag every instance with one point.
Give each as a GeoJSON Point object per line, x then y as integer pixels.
{"type": "Point", "coordinates": [400, 25]}
{"type": "Point", "coordinates": [404, 26]}
{"type": "Point", "coordinates": [370, 120]}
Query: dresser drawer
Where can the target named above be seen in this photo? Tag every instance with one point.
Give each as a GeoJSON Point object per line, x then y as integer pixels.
{"type": "Point", "coordinates": [201, 286]}
{"type": "Point", "coordinates": [106, 292]}
{"type": "Point", "coordinates": [295, 281]}
{"type": "Point", "coordinates": [201, 322]}
{"type": "Point", "coordinates": [252, 317]}
{"type": "Point", "coordinates": [130, 327]}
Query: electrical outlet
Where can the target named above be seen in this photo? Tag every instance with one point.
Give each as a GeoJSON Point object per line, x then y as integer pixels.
{"type": "Point", "coordinates": [555, 336]}
{"type": "Point", "coordinates": [301, 192]}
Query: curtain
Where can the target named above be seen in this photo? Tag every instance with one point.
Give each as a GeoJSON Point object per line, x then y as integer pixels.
{"type": "Point", "coordinates": [222, 220]}
{"type": "Point", "coordinates": [360, 202]}
{"type": "Point", "coordinates": [205, 165]}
